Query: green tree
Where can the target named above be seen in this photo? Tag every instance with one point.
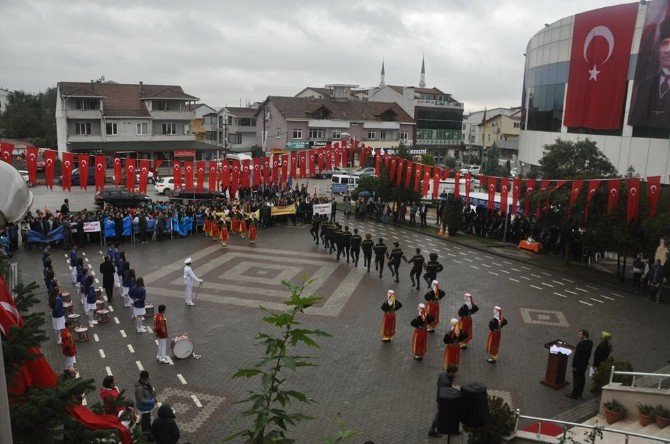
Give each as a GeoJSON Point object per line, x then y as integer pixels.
{"type": "Point", "coordinates": [453, 215]}
{"type": "Point", "coordinates": [491, 165]}
{"type": "Point", "coordinates": [428, 159]}
{"type": "Point", "coordinates": [575, 160]}
{"type": "Point", "coordinates": [271, 421]}
{"type": "Point", "coordinates": [450, 162]}
{"type": "Point", "coordinates": [257, 151]}
{"type": "Point", "coordinates": [31, 116]}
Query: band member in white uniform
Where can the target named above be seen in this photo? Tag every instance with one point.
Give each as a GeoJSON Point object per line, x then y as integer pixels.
{"type": "Point", "coordinates": [189, 279]}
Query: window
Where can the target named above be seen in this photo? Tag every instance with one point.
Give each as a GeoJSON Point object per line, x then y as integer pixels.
{"type": "Point", "coordinates": [110, 129]}
{"type": "Point", "coordinates": [403, 135]}
{"type": "Point", "coordinates": [169, 128]}
{"type": "Point", "coordinates": [278, 133]}
{"type": "Point", "coordinates": [517, 125]}
{"type": "Point", "coordinates": [371, 134]}
{"type": "Point", "coordinates": [297, 133]}
{"type": "Point", "coordinates": [382, 135]}
{"type": "Point", "coordinates": [235, 138]}
{"type": "Point", "coordinates": [337, 134]}
{"type": "Point", "coordinates": [317, 133]}
{"type": "Point", "coordinates": [142, 129]}
{"type": "Point", "coordinates": [82, 128]}
{"type": "Point", "coordinates": [187, 129]}
{"type": "Point", "coordinates": [86, 104]}
{"type": "Point", "coordinates": [545, 107]}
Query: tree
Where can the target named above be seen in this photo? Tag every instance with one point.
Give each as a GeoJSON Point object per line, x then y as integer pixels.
{"type": "Point", "coordinates": [450, 162]}
{"type": "Point", "coordinates": [257, 151]}
{"type": "Point", "coordinates": [428, 159]}
{"type": "Point", "coordinates": [453, 214]}
{"type": "Point", "coordinates": [575, 160]}
{"type": "Point", "coordinates": [31, 116]}
{"type": "Point", "coordinates": [491, 165]}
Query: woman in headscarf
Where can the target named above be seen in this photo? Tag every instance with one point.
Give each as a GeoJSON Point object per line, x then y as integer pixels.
{"type": "Point", "coordinates": [420, 335]}
{"type": "Point", "coordinates": [389, 307]}
{"type": "Point", "coordinates": [493, 341]}
{"type": "Point", "coordinates": [433, 298]}
{"type": "Point", "coordinates": [452, 353]}
{"type": "Point", "coordinates": [465, 313]}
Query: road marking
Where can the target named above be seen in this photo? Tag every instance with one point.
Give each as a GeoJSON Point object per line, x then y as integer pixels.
{"type": "Point", "coordinates": [131, 349]}
{"type": "Point", "coordinates": [148, 329]}
{"type": "Point", "coordinates": [568, 280]}
{"type": "Point", "coordinates": [505, 271]}
{"type": "Point", "coordinates": [607, 297]}
{"type": "Point", "coordinates": [479, 258]}
{"type": "Point", "coordinates": [497, 264]}
{"type": "Point", "coordinates": [525, 268]}
{"type": "Point", "coordinates": [109, 371]}
{"type": "Point", "coordinates": [581, 289]}
{"type": "Point", "coordinates": [539, 288]}
{"type": "Point", "coordinates": [92, 273]}
{"type": "Point", "coordinates": [494, 273]}
{"type": "Point", "coordinates": [597, 300]}
{"type": "Point", "coordinates": [464, 254]}
{"type": "Point", "coordinates": [558, 282]}
{"type": "Point", "coordinates": [95, 336]}
{"type": "Point", "coordinates": [452, 255]}
{"type": "Point", "coordinates": [195, 399]}
{"type": "Point", "coordinates": [116, 320]}
{"type": "Point", "coordinates": [97, 281]}
{"type": "Point", "coordinates": [455, 261]}
{"type": "Point", "coordinates": [65, 254]}
{"type": "Point", "coordinates": [70, 267]}
{"type": "Point", "coordinates": [515, 269]}
{"type": "Point", "coordinates": [484, 265]}
{"type": "Point", "coordinates": [512, 279]}
{"type": "Point", "coordinates": [123, 333]}
{"type": "Point", "coordinates": [548, 285]}
{"type": "Point", "coordinates": [84, 401]}
{"type": "Point", "coordinates": [524, 277]}
{"type": "Point", "coordinates": [181, 378]}
{"type": "Point", "coordinates": [615, 294]}
{"type": "Point", "coordinates": [83, 254]}
{"type": "Point", "coordinates": [469, 260]}
{"type": "Point", "coordinates": [586, 303]}
{"type": "Point", "coordinates": [561, 295]}
{"type": "Point", "coordinates": [507, 262]}
{"type": "Point", "coordinates": [571, 292]}
{"type": "Point", "coordinates": [169, 359]}
{"type": "Point", "coordinates": [476, 268]}
{"type": "Point", "coordinates": [86, 259]}
{"type": "Point", "coordinates": [536, 275]}
{"type": "Point", "coordinates": [110, 308]}
{"type": "Point", "coordinates": [488, 257]}
{"type": "Point", "coordinates": [102, 353]}
{"type": "Point", "coordinates": [139, 365]}
{"type": "Point", "coordinates": [546, 274]}
{"type": "Point", "coordinates": [99, 251]}
{"type": "Point", "coordinates": [591, 287]}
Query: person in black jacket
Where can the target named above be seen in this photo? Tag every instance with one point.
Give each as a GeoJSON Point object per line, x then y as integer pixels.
{"type": "Point", "coordinates": [395, 256]}
{"type": "Point", "coordinates": [580, 362]}
{"type": "Point", "coordinates": [107, 271]}
{"type": "Point", "coordinates": [417, 262]}
{"type": "Point", "coordinates": [367, 245]}
{"type": "Point", "coordinates": [432, 268]}
{"type": "Point", "coordinates": [380, 251]}
{"type": "Point", "coordinates": [355, 243]}
{"type": "Point", "coordinates": [164, 428]}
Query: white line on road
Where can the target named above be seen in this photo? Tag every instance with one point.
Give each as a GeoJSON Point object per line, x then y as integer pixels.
{"type": "Point", "coordinates": [110, 308]}
{"type": "Point", "coordinates": [484, 265]}
{"type": "Point", "coordinates": [95, 337]}
{"type": "Point", "coordinates": [131, 349]}
{"type": "Point", "coordinates": [536, 275]}
{"type": "Point", "coordinates": [586, 303]}
{"type": "Point", "coordinates": [99, 251]}
{"type": "Point", "coordinates": [505, 271]}
{"type": "Point", "coordinates": [568, 280]}
{"type": "Point", "coordinates": [97, 281]}
{"type": "Point", "coordinates": [197, 402]}
{"type": "Point", "coordinates": [581, 289]}
{"type": "Point", "coordinates": [109, 371]}
{"type": "Point", "coordinates": [548, 285]}
{"type": "Point", "coordinates": [116, 320]}
{"type": "Point", "coordinates": [469, 260]}
{"type": "Point", "coordinates": [524, 277]}
{"type": "Point", "coordinates": [86, 259]}
{"type": "Point", "coordinates": [460, 252]}
{"type": "Point", "coordinates": [512, 279]}
{"type": "Point", "coordinates": [83, 254]}
{"type": "Point", "coordinates": [487, 257]}
{"type": "Point", "coordinates": [181, 378]}
{"type": "Point", "coordinates": [169, 359]}
{"type": "Point", "coordinates": [149, 329]}
{"type": "Point", "coordinates": [455, 261]}
{"type": "Point", "coordinates": [607, 297]}
{"type": "Point", "coordinates": [102, 353]}
{"type": "Point", "coordinates": [558, 282]}
{"type": "Point", "coordinates": [452, 255]}
{"type": "Point", "coordinates": [478, 258]}
{"type": "Point", "coordinates": [539, 288]}
{"type": "Point", "coordinates": [597, 300]}
{"type": "Point", "coordinates": [546, 274]}
{"type": "Point", "coordinates": [525, 268]}
{"type": "Point", "coordinates": [139, 365]}
{"type": "Point", "coordinates": [92, 273]}
{"type": "Point", "coordinates": [571, 292]}
{"type": "Point", "coordinates": [496, 264]}
{"type": "Point", "coordinates": [507, 262]}
{"type": "Point", "coordinates": [561, 295]}
{"type": "Point", "coordinates": [618, 295]}
{"type": "Point", "coordinates": [123, 333]}
{"type": "Point", "coordinates": [515, 269]}
{"type": "Point", "coordinates": [591, 287]}
{"type": "Point", "coordinates": [494, 273]}
{"type": "Point", "coordinates": [476, 268]}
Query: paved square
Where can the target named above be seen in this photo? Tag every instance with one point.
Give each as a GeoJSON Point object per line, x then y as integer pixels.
{"type": "Point", "coordinates": [544, 317]}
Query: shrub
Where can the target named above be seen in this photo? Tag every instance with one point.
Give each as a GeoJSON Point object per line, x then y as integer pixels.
{"type": "Point", "coordinates": [661, 411]}
{"type": "Point", "coordinates": [602, 375]}
{"type": "Point", "coordinates": [614, 406]}
{"type": "Point", "coordinates": [503, 421]}
{"type": "Point", "coordinates": [645, 409]}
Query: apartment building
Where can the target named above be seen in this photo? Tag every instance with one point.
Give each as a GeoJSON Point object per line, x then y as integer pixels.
{"type": "Point", "coordinates": [237, 127]}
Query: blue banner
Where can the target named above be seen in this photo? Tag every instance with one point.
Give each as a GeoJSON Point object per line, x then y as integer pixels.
{"type": "Point", "coordinates": [186, 226]}
{"type": "Point", "coordinates": [127, 226]}
{"type": "Point", "coordinates": [110, 227]}
{"type": "Point", "coordinates": [38, 238]}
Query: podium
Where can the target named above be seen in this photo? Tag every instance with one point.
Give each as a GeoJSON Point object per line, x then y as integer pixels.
{"type": "Point", "coordinates": [557, 363]}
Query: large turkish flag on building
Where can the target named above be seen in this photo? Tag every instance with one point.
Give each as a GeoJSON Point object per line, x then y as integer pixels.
{"type": "Point", "coordinates": [303, 164]}
{"type": "Point", "coordinates": [257, 171]}
{"type": "Point", "coordinates": [601, 45]}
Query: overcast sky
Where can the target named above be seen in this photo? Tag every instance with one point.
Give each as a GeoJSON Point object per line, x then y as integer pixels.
{"type": "Point", "coordinates": [227, 52]}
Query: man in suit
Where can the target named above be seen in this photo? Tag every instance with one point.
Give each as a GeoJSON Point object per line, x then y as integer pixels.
{"type": "Point", "coordinates": [580, 362]}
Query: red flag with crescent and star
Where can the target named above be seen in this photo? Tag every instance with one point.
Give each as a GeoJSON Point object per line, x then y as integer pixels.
{"type": "Point", "coordinates": [257, 171]}
{"type": "Point", "coordinates": [234, 178]}
{"type": "Point", "coordinates": [266, 170]}
{"type": "Point", "coordinates": [276, 163]}
{"type": "Point", "coordinates": [436, 183]}
{"type": "Point", "coordinates": [118, 171]}
{"type": "Point", "coordinates": [225, 175]}
{"type": "Point", "coordinates": [593, 187]}
{"type": "Point", "coordinates": [68, 162]}
{"type": "Point", "coordinates": [394, 166]}
{"type": "Point", "coordinates": [504, 191]}
{"type": "Point", "coordinates": [387, 160]}
{"type": "Point", "coordinates": [557, 185]}
{"type": "Point", "coordinates": [31, 163]}
{"type": "Point", "coordinates": [418, 168]}
{"type": "Point", "coordinates": [100, 172]}
{"type": "Point", "coordinates": [530, 187]}
{"type": "Point", "coordinates": [398, 173]}
{"type": "Point", "coordinates": [516, 192]}
{"type": "Point", "coordinates": [303, 164]}
{"type": "Point", "coordinates": [426, 180]}
{"type": "Point", "coordinates": [50, 157]}
{"type": "Point", "coordinates": [246, 170]}
{"type": "Point", "coordinates": [378, 163]}
{"type": "Point", "coordinates": [200, 174]}
{"type": "Point", "coordinates": [601, 45]}
{"type": "Point", "coordinates": [361, 157]}
{"type": "Point", "coordinates": [212, 175]}
{"type": "Point", "coordinates": [329, 153]}
{"type": "Point", "coordinates": [321, 158]}
{"type": "Point", "coordinates": [83, 160]}
{"type": "Point", "coordinates": [345, 155]}
{"type": "Point", "coordinates": [130, 174]}
{"type": "Point", "coordinates": [145, 165]}
{"type": "Point", "coordinates": [176, 175]}
{"type": "Point", "coordinates": [6, 150]}
{"type": "Point", "coordinates": [188, 175]}
{"type": "Point", "coordinates": [613, 195]}
{"type": "Point", "coordinates": [468, 182]}
{"type": "Point", "coordinates": [633, 201]}
{"type": "Point", "coordinates": [294, 165]}
{"type": "Point", "coordinates": [457, 185]}
{"type": "Point", "coordinates": [653, 190]}
{"type": "Point", "coordinates": [312, 162]}
{"type": "Point", "coordinates": [538, 205]}
{"type": "Point", "coordinates": [493, 182]}
{"type": "Point", "coordinates": [409, 166]}
{"type": "Point", "coordinates": [337, 153]}
{"type": "Point", "coordinates": [574, 194]}
{"type": "Point", "coordinates": [446, 173]}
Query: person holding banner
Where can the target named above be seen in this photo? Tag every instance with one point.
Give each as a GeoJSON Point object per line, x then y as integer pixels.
{"type": "Point", "coordinates": [189, 279]}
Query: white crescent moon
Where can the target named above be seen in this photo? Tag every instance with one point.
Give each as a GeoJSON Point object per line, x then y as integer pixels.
{"type": "Point", "coordinates": [603, 32]}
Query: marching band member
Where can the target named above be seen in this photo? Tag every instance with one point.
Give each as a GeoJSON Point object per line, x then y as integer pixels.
{"type": "Point", "coordinates": [160, 329]}
{"type": "Point", "coordinates": [189, 279]}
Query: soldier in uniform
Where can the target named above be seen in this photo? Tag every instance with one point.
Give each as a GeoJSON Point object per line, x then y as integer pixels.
{"type": "Point", "coordinates": [367, 246]}
{"type": "Point", "coordinates": [432, 268]}
{"type": "Point", "coordinates": [314, 231]}
{"type": "Point", "coordinates": [417, 262]}
{"type": "Point", "coordinates": [336, 240]}
{"type": "Point", "coordinates": [355, 245]}
{"type": "Point", "coordinates": [380, 251]}
{"type": "Point", "coordinates": [346, 242]}
{"type": "Point", "coordinates": [395, 256]}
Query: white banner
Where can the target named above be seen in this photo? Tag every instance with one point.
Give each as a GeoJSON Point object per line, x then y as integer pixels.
{"type": "Point", "coordinates": [91, 227]}
{"type": "Point", "coordinates": [322, 209]}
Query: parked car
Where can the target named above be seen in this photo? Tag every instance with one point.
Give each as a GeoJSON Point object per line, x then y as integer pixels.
{"type": "Point", "coordinates": [26, 177]}
{"type": "Point", "coordinates": [184, 195]}
{"type": "Point", "coordinates": [119, 197]}
{"type": "Point", "coordinates": [165, 186]}
{"type": "Point", "coordinates": [368, 171]}
{"type": "Point", "coordinates": [343, 183]}
{"type": "Point", "coordinates": [325, 174]}
{"type": "Point", "coordinates": [150, 177]}
{"type": "Point", "coordinates": [75, 177]}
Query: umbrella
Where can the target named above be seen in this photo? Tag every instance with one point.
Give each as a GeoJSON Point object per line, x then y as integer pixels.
{"type": "Point", "coordinates": [364, 194]}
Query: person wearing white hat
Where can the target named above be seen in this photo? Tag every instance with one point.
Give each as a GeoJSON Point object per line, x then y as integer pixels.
{"type": "Point", "coordinates": [420, 335]}
{"type": "Point", "coordinates": [452, 353]}
{"type": "Point", "coordinates": [493, 341]}
{"type": "Point", "coordinates": [389, 307]}
{"type": "Point", "coordinates": [465, 313]}
{"type": "Point", "coordinates": [433, 298]}
{"type": "Point", "coordinates": [189, 279]}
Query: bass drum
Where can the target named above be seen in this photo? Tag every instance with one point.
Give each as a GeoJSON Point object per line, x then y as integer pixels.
{"type": "Point", "coordinates": [182, 347]}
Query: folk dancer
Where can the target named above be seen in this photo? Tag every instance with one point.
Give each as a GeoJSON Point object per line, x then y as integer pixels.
{"type": "Point", "coordinates": [252, 231]}
{"type": "Point", "coordinates": [189, 279]}
{"type": "Point", "coordinates": [243, 228]}
{"type": "Point", "coordinates": [493, 341]}
{"type": "Point", "coordinates": [465, 313]}
{"type": "Point", "coordinates": [214, 230]}
{"type": "Point", "coordinates": [160, 329]}
{"type": "Point", "coordinates": [433, 298]}
{"type": "Point", "coordinates": [223, 232]}
{"type": "Point", "coordinates": [452, 353]}
{"type": "Point", "coordinates": [389, 307]}
{"type": "Point", "coordinates": [417, 262]}
{"type": "Point", "coordinates": [420, 335]}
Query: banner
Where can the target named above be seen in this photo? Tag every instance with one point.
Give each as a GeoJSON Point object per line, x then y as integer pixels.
{"type": "Point", "coordinates": [504, 190]}
{"type": "Point", "coordinates": [188, 175]}
{"type": "Point", "coordinates": [530, 187]}
{"type": "Point", "coordinates": [176, 175]}
{"type": "Point", "coordinates": [653, 190]}
{"type": "Point", "coordinates": [493, 183]}
{"type": "Point", "coordinates": [613, 196]}
{"type": "Point", "coordinates": [144, 175]}
{"type": "Point", "coordinates": [516, 192]}
{"type": "Point", "coordinates": [303, 164]}
{"type": "Point", "coordinates": [257, 171]}
{"type": "Point", "coordinates": [593, 187]}
{"type": "Point", "coordinates": [650, 102]}
{"type": "Point", "coordinates": [266, 170]}
{"type": "Point", "coordinates": [225, 175]}
{"type": "Point", "coordinates": [574, 193]}
{"type": "Point", "coordinates": [50, 157]}
{"type": "Point", "coordinates": [130, 174]}
{"type": "Point", "coordinates": [110, 227]}
{"type": "Point", "coordinates": [601, 45]}
{"type": "Point", "coordinates": [322, 209]}
{"type": "Point", "coordinates": [6, 152]}
{"type": "Point", "coordinates": [283, 209]}
{"type": "Point", "coordinates": [212, 175]}
{"type": "Point", "coordinates": [633, 201]}
{"type": "Point", "coordinates": [92, 227]}
{"type": "Point", "coordinates": [31, 163]}
{"type": "Point", "coordinates": [200, 174]}
{"type": "Point", "coordinates": [118, 172]}
{"type": "Point", "coordinates": [55, 235]}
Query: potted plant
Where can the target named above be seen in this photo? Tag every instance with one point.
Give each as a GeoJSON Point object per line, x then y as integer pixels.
{"type": "Point", "coordinates": [646, 414]}
{"type": "Point", "coordinates": [662, 416]}
{"type": "Point", "coordinates": [614, 411]}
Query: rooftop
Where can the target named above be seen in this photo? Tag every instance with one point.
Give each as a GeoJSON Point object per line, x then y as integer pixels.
{"type": "Point", "coordinates": [306, 108]}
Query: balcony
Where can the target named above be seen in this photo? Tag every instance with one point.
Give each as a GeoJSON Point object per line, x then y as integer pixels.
{"type": "Point", "coordinates": [173, 137]}
{"type": "Point", "coordinates": [237, 129]}
{"type": "Point", "coordinates": [172, 115]}
{"type": "Point", "coordinates": [438, 103]}
{"type": "Point", "coordinates": [85, 138]}
{"type": "Point", "coordinates": [80, 114]}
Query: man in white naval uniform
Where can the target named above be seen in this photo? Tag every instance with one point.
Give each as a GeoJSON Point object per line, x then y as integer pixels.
{"type": "Point", "coordinates": [189, 279]}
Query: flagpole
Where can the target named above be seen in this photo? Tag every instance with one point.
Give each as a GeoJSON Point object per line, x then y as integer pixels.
{"type": "Point", "coordinates": [5, 422]}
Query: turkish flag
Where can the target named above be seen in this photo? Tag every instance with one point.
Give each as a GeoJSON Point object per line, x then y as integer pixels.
{"type": "Point", "coordinates": [321, 156]}
{"type": "Point", "coordinates": [436, 183]}
{"type": "Point", "coordinates": [504, 191]}
{"type": "Point", "coordinates": [557, 185]}
{"type": "Point", "coordinates": [157, 163]}
{"type": "Point", "coordinates": [145, 166]}
{"type": "Point", "coordinates": [130, 174]}
{"type": "Point", "coordinates": [329, 153]}
{"type": "Point", "coordinates": [94, 421]}
{"type": "Point", "coordinates": [84, 160]}
{"type": "Point", "coordinates": [246, 173]}
{"type": "Point", "coordinates": [362, 155]}
{"type": "Point", "coordinates": [446, 173]}
{"type": "Point", "coordinates": [235, 179]}
{"type": "Point", "coordinates": [492, 184]}
{"type": "Point", "coordinates": [612, 195]}
{"type": "Point", "coordinates": [303, 164]}
{"type": "Point", "coordinates": [426, 180]}
{"type": "Point", "coordinates": [394, 165]}
{"type": "Point", "coordinates": [118, 171]}
{"type": "Point", "coordinates": [6, 150]}
{"type": "Point", "coordinates": [312, 163]}
{"type": "Point", "coordinates": [284, 168]}
{"type": "Point", "coordinates": [417, 175]}
{"type": "Point", "coordinates": [398, 174]}
{"type": "Point", "coordinates": [530, 187]}
{"type": "Point", "coordinates": [266, 170]}
{"type": "Point", "coordinates": [276, 163]}
{"type": "Point", "coordinates": [257, 171]}
{"type": "Point", "coordinates": [68, 162]}
{"type": "Point", "coordinates": [345, 157]}
{"type": "Point", "coordinates": [50, 157]}
{"type": "Point", "coordinates": [188, 175]}
{"type": "Point", "coordinates": [633, 202]}
{"type": "Point", "coordinates": [294, 165]}
{"type": "Point", "coordinates": [409, 167]}
{"type": "Point", "coordinates": [574, 194]}
{"type": "Point", "coordinates": [176, 174]}
{"type": "Point", "coordinates": [516, 192]}
{"type": "Point", "coordinates": [653, 190]}
{"type": "Point", "coordinates": [100, 172]}
{"type": "Point", "coordinates": [468, 182]}
{"type": "Point", "coordinates": [457, 185]}
{"type": "Point", "coordinates": [378, 163]}
{"type": "Point", "coordinates": [338, 153]}
{"type": "Point", "coordinates": [601, 45]}
{"type": "Point", "coordinates": [32, 164]}
{"type": "Point", "coordinates": [212, 175]}
{"type": "Point", "coordinates": [225, 175]}
{"type": "Point", "coordinates": [593, 187]}
{"type": "Point", "coordinates": [200, 175]}
{"type": "Point", "coordinates": [387, 161]}
{"type": "Point", "coordinates": [538, 206]}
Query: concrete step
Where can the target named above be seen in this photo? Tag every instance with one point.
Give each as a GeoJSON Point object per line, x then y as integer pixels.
{"type": "Point", "coordinates": [625, 425]}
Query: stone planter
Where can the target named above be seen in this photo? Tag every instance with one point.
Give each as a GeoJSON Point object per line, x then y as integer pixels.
{"type": "Point", "coordinates": [611, 417]}
{"type": "Point", "coordinates": [645, 420]}
{"type": "Point", "coordinates": [662, 422]}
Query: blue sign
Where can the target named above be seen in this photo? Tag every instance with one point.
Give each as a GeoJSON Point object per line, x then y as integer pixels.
{"type": "Point", "coordinates": [297, 145]}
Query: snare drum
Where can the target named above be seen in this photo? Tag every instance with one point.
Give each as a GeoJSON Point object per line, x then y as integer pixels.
{"type": "Point", "coordinates": [182, 347]}
{"type": "Point", "coordinates": [149, 311]}
{"type": "Point", "coordinates": [81, 334]}
{"type": "Point", "coordinates": [67, 307]}
{"type": "Point", "coordinates": [65, 297]}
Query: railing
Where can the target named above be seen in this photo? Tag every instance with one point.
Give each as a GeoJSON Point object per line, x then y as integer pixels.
{"type": "Point", "coordinates": [596, 431]}
{"type": "Point", "coordinates": [660, 376]}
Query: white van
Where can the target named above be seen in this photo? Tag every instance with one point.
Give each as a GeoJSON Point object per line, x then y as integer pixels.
{"type": "Point", "coordinates": [343, 183]}
{"type": "Point", "coordinates": [238, 156]}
